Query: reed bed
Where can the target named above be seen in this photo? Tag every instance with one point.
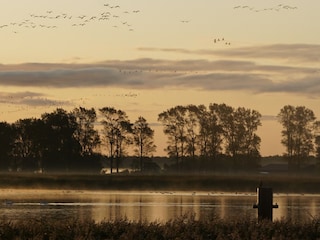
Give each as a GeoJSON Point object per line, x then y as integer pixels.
{"type": "Point", "coordinates": [183, 228]}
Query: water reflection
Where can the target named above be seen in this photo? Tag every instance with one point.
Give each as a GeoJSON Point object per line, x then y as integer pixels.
{"type": "Point", "coordinates": [297, 207]}
{"type": "Point", "coordinates": [147, 206]}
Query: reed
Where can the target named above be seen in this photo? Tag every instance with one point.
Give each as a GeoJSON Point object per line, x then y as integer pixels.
{"type": "Point", "coordinates": [185, 227]}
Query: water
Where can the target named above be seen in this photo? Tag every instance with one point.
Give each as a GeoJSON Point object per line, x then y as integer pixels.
{"type": "Point", "coordinates": [146, 206]}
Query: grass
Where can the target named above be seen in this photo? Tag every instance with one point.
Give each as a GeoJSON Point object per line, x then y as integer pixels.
{"type": "Point", "coordinates": [184, 228]}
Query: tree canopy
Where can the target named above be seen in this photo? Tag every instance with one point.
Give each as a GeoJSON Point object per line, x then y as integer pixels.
{"type": "Point", "coordinates": [298, 134]}
{"type": "Point", "coordinates": [199, 138]}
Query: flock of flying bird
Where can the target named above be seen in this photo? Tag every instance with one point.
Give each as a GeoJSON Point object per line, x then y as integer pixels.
{"type": "Point", "coordinates": [113, 14]}
{"type": "Point", "coordinates": [52, 20]}
{"type": "Point", "coordinates": [221, 40]}
{"type": "Point", "coordinates": [275, 8]}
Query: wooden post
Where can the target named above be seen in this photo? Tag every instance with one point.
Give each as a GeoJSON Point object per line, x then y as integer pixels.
{"type": "Point", "coordinates": [265, 203]}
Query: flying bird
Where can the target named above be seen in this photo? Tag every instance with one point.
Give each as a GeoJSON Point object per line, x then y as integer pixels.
{"type": "Point", "coordinates": [48, 18]}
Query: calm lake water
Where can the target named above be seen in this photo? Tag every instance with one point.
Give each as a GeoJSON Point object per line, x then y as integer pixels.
{"type": "Point", "coordinates": [146, 206]}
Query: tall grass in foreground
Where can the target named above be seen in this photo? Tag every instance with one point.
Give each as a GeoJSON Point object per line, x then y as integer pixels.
{"type": "Point", "coordinates": [182, 228]}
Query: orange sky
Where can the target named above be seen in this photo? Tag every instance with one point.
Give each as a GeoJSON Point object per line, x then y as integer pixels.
{"type": "Point", "coordinates": [144, 57]}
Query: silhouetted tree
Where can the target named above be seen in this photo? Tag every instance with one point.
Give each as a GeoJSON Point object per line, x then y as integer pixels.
{"type": "Point", "coordinates": [194, 129]}
{"type": "Point", "coordinates": [30, 139]}
{"type": "Point", "coordinates": [85, 133]}
{"type": "Point", "coordinates": [297, 134]}
{"type": "Point", "coordinates": [143, 139]}
{"type": "Point", "coordinates": [317, 140]}
{"type": "Point", "coordinates": [239, 129]}
{"type": "Point", "coordinates": [192, 125]}
{"type": "Point", "coordinates": [117, 130]}
{"type": "Point", "coordinates": [211, 130]}
{"type": "Point", "coordinates": [250, 121]}
{"type": "Point", "coordinates": [62, 146]}
{"type": "Point", "coordinates": [173, 121]}
{"type": "Point", "coordinates": [7, 138]}
{"type": "Point", "coordinates": [229, 125]}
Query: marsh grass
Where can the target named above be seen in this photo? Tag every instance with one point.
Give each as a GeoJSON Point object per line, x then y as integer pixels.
{"type": "Point", "coordinates": [183, 228]}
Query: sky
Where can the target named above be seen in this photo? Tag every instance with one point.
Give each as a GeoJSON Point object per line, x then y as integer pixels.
{"type": "Point", "coordinates": [144, 57]}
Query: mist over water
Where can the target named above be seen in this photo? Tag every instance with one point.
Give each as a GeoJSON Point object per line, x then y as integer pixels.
{"type": "Point", "coordinates": [147, 206]}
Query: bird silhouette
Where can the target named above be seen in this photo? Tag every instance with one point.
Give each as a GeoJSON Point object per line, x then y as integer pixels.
{"type": "Point", "coordinates": [50, 19]}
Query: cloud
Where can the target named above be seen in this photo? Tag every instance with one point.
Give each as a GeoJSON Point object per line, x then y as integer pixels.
{"type": "Point", "coordinates": [60, 78]}
{"type": "Point", "coordinates": [309, 85]}
{"type": "Point", "coordinates": [19, 95]}
{"type": "Point", "coordinates": [291, 52]}
{"type": "Point", "coordinates": [27, 98]}
{"type": "Point", "coordinates": [44, 102]}
{"type": "Point", "coordinates": [236, 70]}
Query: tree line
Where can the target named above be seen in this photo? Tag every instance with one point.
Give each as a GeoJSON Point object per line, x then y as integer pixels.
{"type": "Point", "coordinates": [215, 135]}
{"type": "Point", "coordinates": [198, 138]}
{"type": "Point", "coordinates": [71, 141]}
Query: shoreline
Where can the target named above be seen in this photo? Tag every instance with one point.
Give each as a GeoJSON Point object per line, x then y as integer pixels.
{"type": "Point", "coordinates": [28, 192]}
{"type": "Point", "coordinates": [136, 182]}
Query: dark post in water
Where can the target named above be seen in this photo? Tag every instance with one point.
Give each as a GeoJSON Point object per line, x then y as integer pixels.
{"type": "Point", "coordinates": [265, 203]}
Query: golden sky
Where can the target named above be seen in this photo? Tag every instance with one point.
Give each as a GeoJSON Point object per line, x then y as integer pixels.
{"type": "Point", "coordinates": [144, 57]}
